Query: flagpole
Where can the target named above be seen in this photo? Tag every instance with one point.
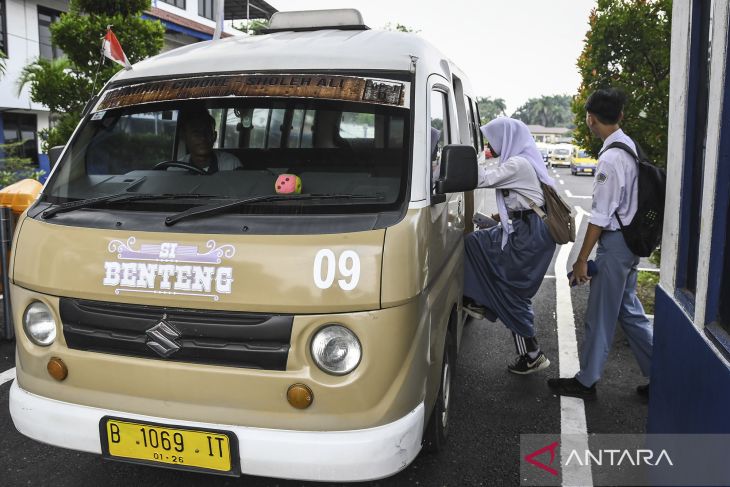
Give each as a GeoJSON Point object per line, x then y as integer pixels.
{"type": "Point", "coordinates": [219, 18]}
{"type": "Point", "coordinates": [98, 66]}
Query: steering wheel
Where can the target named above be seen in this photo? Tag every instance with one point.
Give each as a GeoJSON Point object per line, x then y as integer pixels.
{"type": "Point", "coordinates": [162, 166]}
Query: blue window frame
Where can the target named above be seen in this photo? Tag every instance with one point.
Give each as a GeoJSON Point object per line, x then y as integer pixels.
{"type": "Point", "coordinates": [718, 285]}
{"type": "Point", "coordinates": [723, 312]}
{"type": "Point", "coordinates": [695, 148]}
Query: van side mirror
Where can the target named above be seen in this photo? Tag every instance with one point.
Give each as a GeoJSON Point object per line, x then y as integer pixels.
{"type": "Point", "coordinates": [54, 153]}
{"type": "Point", "coordinates": [459, 168]}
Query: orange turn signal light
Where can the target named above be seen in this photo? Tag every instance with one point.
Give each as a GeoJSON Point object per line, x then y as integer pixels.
{"type": "Point", "coordinates": [300, 396]}
{"type": "Point", "coordinates": [57, 369]}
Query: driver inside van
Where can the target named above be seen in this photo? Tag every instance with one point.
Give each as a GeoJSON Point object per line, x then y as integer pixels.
{"type": "Point", "coordinates": [197, 127]}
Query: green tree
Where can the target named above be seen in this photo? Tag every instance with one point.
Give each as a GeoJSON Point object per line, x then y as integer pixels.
{"type": "Point", "coordinates": [398, 27]}
{"type": "Point", "coordinates": [548, 111]}
{"type": "Point", "coordinates": [627, 47]}
{"type": "Point", "coordinates": [490, 108]}
{"type": "Point", "coordinates": [65, 85]}
{"type": "Point", "coordinates": [14, 167]}
{"type": "Point", "coordinates": [3, 57]}
{"type": "Point", "coordinates": [253, 27]}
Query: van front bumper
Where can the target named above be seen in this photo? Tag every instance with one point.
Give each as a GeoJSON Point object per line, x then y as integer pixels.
{"type": "Point", "coordinates": [354, 455]}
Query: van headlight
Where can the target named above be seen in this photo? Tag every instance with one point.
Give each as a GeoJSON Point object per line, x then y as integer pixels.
{"type": "Point", "coordinates": [39, 324]}
{"type": "Point", "coordinates": [336, 350]}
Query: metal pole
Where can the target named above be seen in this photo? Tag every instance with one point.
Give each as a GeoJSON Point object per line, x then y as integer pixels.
{"type": "Point", "coordinates": [219, 14]}
{"type": "Point", "coordinates": [6, 237]}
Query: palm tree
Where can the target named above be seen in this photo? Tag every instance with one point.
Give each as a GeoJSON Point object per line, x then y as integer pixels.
{"type": "Point", "coordinates": [490, 108]}
{"type": "Point", "coordinates": [540, 111]}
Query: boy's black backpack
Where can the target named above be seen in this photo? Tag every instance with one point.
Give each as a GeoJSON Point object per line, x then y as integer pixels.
{"type": "Point", "coordinates": [644, 233]}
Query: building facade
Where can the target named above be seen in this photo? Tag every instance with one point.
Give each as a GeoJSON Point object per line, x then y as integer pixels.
{"type": "Point", "coordinates": [25, 36]}
{"type": "Point", "coordinates": [189, 21]}
{"type": "Point", "coordinates": [551, 135]}
{"type": "Point", "coordinates": [690, 383]}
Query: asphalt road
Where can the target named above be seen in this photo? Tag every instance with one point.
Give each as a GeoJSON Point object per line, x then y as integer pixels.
{"type": "Point", "coordinates": [490, 409]}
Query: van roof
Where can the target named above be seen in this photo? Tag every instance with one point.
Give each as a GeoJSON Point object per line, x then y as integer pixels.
{"type": "Point", "coordinates": [368, 50]}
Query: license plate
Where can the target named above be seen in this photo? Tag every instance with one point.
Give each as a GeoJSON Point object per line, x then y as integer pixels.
{"type": "Point", "coordinates": [588, 170]}
{"type": "Point", "coordinates": [169, 446]}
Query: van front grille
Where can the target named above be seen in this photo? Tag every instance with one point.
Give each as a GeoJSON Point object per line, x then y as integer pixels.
{"type": "Point", "coordinates": [249, 340]}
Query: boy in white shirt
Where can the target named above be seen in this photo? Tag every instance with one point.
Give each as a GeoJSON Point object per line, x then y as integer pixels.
{"type": "Point", "coordinates": [613, 289]}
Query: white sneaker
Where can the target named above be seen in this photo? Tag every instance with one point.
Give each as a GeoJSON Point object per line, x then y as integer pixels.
{"type": "Point", "coordinates": [475, 311]}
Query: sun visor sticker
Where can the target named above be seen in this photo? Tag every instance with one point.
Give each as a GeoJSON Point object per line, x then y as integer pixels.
{"type": "Point", "coordinates": [345, 88]}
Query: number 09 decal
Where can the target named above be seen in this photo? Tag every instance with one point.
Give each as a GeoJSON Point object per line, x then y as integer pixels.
{"type": "Point", "coordinates": [348, 266]}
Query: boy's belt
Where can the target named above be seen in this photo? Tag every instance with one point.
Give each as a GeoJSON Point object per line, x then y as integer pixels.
{"type": "Point", "coordinates": [522, 214]}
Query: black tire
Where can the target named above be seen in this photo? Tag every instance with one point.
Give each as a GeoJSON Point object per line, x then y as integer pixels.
{"type": "Point", "coordinates": [437, 430]}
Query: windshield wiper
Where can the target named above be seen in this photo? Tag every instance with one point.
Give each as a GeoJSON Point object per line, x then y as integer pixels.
{"type": "Point", "coordinates": [218, 208]}
{"type": "Point", "coordinates": [116, 198]}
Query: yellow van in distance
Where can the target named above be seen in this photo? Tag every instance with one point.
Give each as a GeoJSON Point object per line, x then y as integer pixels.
{"type": "Point", "coordinates": [583, 163]}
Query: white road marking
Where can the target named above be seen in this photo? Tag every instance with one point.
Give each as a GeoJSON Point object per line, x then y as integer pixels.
{"type": "Point", "coordinates": [572, 410]}
{"type": "Point", "coordinates": [7, 375]}
{"type": "Point", "coordinates": [561, 181]}
{"type": "Point", "coordinates": [571, 195]}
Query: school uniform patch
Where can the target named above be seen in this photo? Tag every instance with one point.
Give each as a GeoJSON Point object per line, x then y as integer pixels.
{"type": "Point", "coordinates": [601, 177]}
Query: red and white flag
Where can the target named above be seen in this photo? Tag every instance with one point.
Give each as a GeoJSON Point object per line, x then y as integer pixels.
{"type": "Point", "coordinates": [113, 50]}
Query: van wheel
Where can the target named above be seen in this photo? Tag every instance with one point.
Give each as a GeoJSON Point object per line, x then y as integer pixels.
{"type": "Point", "coordinates": [437, 431]}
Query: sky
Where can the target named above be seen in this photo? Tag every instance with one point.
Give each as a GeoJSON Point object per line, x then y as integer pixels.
{"type": "Point", "coordinates": [511, 49]}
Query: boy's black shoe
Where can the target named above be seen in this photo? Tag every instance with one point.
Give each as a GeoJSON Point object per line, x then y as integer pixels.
{"type": "Point", "coordinates": [643, 391]}
{"type": "Point", "coordinates": [571, 387]}
{"type": "Point", "coordinates": [524, 365]}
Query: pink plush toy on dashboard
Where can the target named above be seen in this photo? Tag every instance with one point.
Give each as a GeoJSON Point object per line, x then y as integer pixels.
{"type": "Point", "coordinates": [288, 184]}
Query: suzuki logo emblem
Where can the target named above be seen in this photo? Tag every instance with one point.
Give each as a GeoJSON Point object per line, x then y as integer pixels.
{"type": "Point", "coordinates": [162, 338]}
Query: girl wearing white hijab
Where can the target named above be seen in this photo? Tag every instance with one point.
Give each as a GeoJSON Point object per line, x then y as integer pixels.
{"type": "Point", "coordinates": [506, 264]}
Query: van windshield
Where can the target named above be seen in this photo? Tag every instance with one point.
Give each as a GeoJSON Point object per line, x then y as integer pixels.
{"type": "Point", "coordinates": [240, 148]}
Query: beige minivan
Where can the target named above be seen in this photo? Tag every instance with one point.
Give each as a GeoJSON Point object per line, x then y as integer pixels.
{"type": "Point", "coordinates": [205, 317]}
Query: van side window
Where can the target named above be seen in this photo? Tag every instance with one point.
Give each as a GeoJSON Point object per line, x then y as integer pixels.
{"type": "Point", "coordinates": [439, 133]}
{"type": "Point", "coordinates": [302, 125]}
{"type": "Point", "coordinates": [472, 124]}
{"type": "Point", "coordinates": [478, 120]}
{"type": "Point", "coordinates": [307, 138]}
{"type": "Point", "coordinates": [273, 128]}
{"type": "Point", "coordinates": [230, 129]}
{"type": "Point", "coordinates": [276, 125]}
{"type": "Point", "coordinates": [357, 125]}
{"type": "Point", "coordinates": [395, 132]}
{"type": "Point", "coordinates": [257, 121]}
